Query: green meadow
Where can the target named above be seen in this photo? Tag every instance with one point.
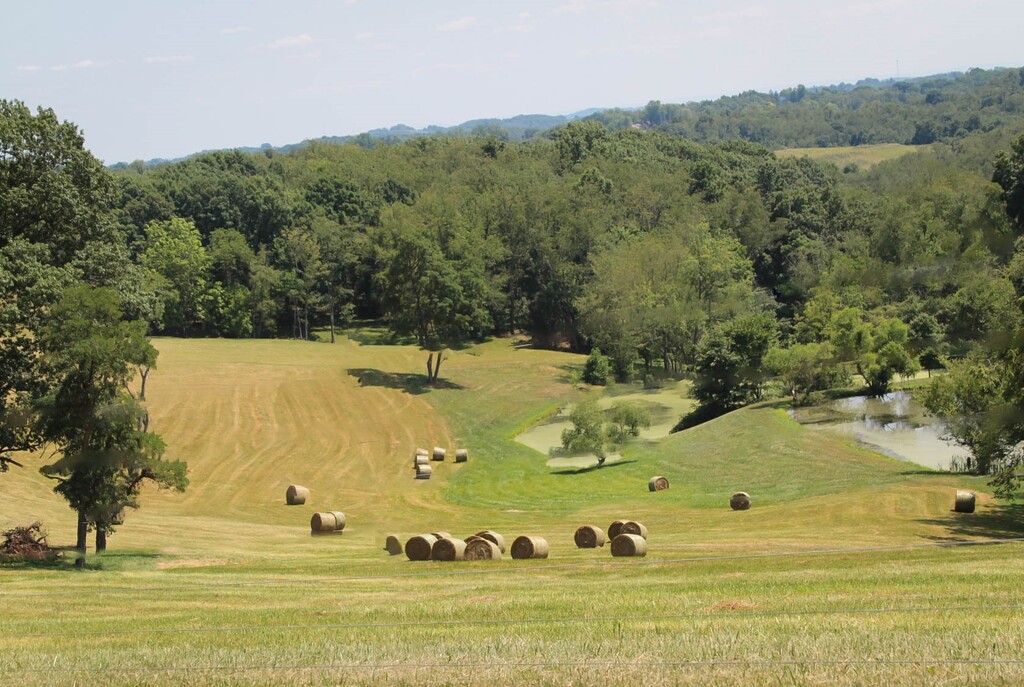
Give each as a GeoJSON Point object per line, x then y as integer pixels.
{"type": "Point", "coordinates": [864, 156]}
{"type": "Point", "coordinates": [850, 568]}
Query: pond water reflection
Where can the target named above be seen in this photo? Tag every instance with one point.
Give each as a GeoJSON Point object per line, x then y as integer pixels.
{"type": "Point", "coordinates": [894, 424]}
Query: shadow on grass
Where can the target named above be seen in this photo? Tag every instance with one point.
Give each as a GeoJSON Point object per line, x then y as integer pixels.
{"type": "Point", "coordinates": [1003, 521]}
{"type": "Point", "coordinates": [591, 468]}
{"type": "Point", "coordinates": [407, 382]}
{"type": "Point", "coordinates": [375, 334]}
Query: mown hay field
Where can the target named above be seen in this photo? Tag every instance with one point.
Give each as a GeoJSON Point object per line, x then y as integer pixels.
{"type": "Point", "coordinates": [849, 568]}
{"type": "Point", "coordinates": [865, 156]}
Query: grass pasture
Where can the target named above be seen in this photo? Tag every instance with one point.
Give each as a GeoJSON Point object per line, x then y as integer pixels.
{"type": "Point", "coordinates": [865, 156]}
{"type": "Point", "coordinates": [849, 569]}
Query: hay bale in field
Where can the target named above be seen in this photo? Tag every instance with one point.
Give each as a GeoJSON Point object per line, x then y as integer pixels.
{"type": "Point", "coordinates": [461, 455]}
{"type": "Point", "coordinates": [491, 535]}
{"type": "Point", "coordinates": [439, 453]}
{"type": "Point", "coordinates": [420, 460]}
{"type": "Point", "coordinates": [633, 527]}
{"type": "Point", "coordinates": [629, 545]}
{"type": "Point", "coordinates": [331, 521]}
{"type": "Point", "coordinates": [472, 538]}
{"type": "Point", "coordinates": [964, 502]}
{"type": "Point", "coordinates": [392, 545]}
{"type": "Point", "coordinates": [423, 472]}
{"type": "Point", "coordinates": [418, 548]}
{"type": "Point", "coordinates": [482, 550]}
{"type": "Point", "coordinates": [615, 529]}
{"type": "Point", "coordinates": [422, 452]}
{"type": "Point", "coordinates": [658, 483]}
{"type": "Point", "coordinates": [296, 495]}
{"type": "Point", "coordinates": [529, 547]}
{"type": "Point", "coordinates": [448, 549]}
{"type": "Point", "coordinates": [740, 501]}
{"type": "Point", "coordinates": [589, 537]}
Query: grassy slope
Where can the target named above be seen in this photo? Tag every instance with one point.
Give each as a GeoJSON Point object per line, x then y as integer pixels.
{"type": "Point", "coordinates": [253, 416]}
{"type": "Point", "coordinates": [865, 156]}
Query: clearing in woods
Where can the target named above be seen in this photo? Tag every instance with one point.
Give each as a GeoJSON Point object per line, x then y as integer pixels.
{"type": "Point", "coordinates": [865, 157]}
{"type": "Point", "coordinates": [842, 572]}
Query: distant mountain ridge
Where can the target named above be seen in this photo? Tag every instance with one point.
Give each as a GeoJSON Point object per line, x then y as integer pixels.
{"type": "Point", "coordinates": [750, 116]}
{"type": "Point", "coordinates": [517, 128]}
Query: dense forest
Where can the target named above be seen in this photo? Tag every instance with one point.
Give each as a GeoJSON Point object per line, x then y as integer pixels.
{"type": "Point", "coordinates": [671, 239]}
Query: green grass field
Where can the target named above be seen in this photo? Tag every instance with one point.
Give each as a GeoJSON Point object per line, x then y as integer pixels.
{"type": "Point", "coordinates": [847, 570]}
{"type": "Point", "coordinates": [864, 157]}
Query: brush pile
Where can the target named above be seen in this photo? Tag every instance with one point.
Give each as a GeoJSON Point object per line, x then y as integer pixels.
{"type": "Point", "coordinates": [26, 544]}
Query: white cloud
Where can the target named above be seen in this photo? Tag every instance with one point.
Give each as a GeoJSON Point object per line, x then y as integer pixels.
{"type": "Point", "coordinates": [298, 41]}
{"type": "Point", "coordinates": [235, 29]}
{"type": "Point", "coordinates": [81, 64]}
{"type": "Point", "coordinates": [168, 59]}
{"type": "Point", "coordinates": [365, 36]}
{"type": "Point", "coordinates": [458, 24]}
{"type": "Point", "coordinates": [28, 67]}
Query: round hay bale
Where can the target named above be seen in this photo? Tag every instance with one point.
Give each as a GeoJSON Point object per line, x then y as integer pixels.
{"type": "Point", "coordinates": [339, 520]}
{"type": "Point", "coordinates": [461, 455]}
{"type": "Point", "coordinates": [964, 501]}
{"type": "Point", "coordinates": [493, 536]}
{"type": "Point", "coordinates": [423, 471]}
{"type": "Point", "coordinates": [629, 545]}
{"type": "Point", "coordinates": [529, 547]}
{"type": "Point", "coordinates": [615, 529]}
{"type": "Point", "coordinates": [633, 527]}
{"type": "Point", "coordinates": [326, 522]}
{"type": "Point", "coordinates": [418, 547]}
{"type": "Point", "coordinates": [392, 545]}
{"type": "Point", "coordinates": [448, 549]}
{"type": "Point", "coordinates": [422, 452]}
{"type": "Point", "coordinates": [589, 537]}
{"type": "Point", "coordinates": [420, 460]}
{"type": "Point", "coordinates": [442, 535]}
{"type": "Point", "coordinates": [482, 550]}
{"type": "Point", "coordinates": [658, 483]}
{"type": "Point", "coordinates": [740, 501]}
{"type": "Point", "coordinates": [439, 453]}
{"type": "Point", "coordinates": [472, 538]}
{"type": "Point", "coordinates": [296, 495]}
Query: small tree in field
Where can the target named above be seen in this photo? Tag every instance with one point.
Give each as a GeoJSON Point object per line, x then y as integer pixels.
{"type": "Point", "coordinates": [587, 432]}
{"type": "Point", "coordinates": [90, 418]}
{"type": "Point", "coordinates": [626, 421]}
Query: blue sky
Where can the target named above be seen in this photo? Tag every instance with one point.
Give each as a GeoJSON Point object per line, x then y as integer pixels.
{"type": "Point", "coordinates": [164, 79]}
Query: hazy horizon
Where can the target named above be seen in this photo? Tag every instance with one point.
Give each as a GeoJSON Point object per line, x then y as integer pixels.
{"type": "Point", "coordinates": [166, 81]}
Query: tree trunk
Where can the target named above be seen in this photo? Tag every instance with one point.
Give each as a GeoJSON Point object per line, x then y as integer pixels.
{"type": "Point", "coordinates": [82, 541]}
{"type": "Point", "coordinates": [332, 321]}
{"type": "Point", "coordinates": [437, 366]}
{"type": "Point", "coordinates": [101, 539]}
{"type": "Point", "coordinates": [430, 368]}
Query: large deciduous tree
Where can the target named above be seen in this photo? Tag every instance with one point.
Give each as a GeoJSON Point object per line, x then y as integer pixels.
{"type": "Point", "coordinates": [425, 294]}
{"type": "Point", "coordinates": [90, 417]}
{"type": "Point", "coordinates": [55, 228]}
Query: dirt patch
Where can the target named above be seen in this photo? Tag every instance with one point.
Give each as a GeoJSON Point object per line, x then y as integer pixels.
{"type": "Point", "coordinates": [731, 606]}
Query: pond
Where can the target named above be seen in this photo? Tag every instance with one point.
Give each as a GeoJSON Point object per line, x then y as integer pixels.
{"type": "Point", "coordinates": [666, 406]}
{"type": "Point", "coordinates": [894, 424]}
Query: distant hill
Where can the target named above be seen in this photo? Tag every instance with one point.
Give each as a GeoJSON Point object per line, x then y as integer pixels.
{"type": "Point", "coordinates": [518, 128]}
{"type": "Point", "coordinates": [907, 111]}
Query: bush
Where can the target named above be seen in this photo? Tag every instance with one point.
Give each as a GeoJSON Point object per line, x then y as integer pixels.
{"type": "Point", "coordinates": [596, 369]}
